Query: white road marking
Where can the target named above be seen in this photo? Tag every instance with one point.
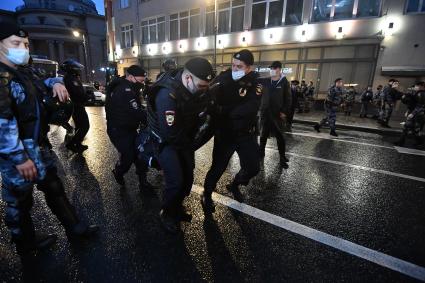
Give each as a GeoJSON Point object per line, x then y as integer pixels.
{"type": "Point", "coordinates": [419, 179]}
{"type": "Point", "coordinates": [379, 258]}
{"type": "Point", "coordinates": [337, 139]}
{"type": "Point", "coordinates": [410, 151]}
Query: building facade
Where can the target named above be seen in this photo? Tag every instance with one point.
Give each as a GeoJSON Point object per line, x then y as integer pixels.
{"type": "Point", "coordinates": [65, 29]}
{"type": "Point", "coordinates": [363, 41]}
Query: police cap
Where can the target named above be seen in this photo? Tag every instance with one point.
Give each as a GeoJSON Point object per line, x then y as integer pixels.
{"type": "Point", "coordinates": [136, 71]}
{"type": "Point", "coordinates": [245, 56]}
{"type": "Point", "coordinates": [201, 68]}
{"type": "Point", "coordinates": [9, 29]}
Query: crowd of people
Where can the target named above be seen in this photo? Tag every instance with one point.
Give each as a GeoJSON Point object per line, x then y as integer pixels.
{"type": "Point", "coordinates": [155, 127]}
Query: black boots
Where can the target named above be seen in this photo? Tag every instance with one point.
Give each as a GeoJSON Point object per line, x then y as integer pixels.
{"type": "Point", "coordinates": [317, 128]}
{"type": "Point", "coordinates": [333, 133]}
{"type": "Point", "coordinates": [207, 203]}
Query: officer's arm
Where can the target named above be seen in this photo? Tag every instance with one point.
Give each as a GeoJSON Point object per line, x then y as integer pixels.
{"type": "Point", "coordinates": [135, 109]}
{"type": "Point", "coordinates": [10, 144]}
{"type": "Point", "coordinates": [166, 113]}
{"type": "Point", "coordinates": [50, 82]}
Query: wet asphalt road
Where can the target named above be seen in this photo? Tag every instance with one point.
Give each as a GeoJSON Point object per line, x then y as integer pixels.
{"type": "Point", "coordinates": [379, 210]}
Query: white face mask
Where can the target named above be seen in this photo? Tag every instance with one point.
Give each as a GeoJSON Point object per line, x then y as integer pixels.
{"type": "Point", "coordinates": [191, 87]}
{"type": "Point", "coordinates": [237, 75]}
{"type": "Point", "coordinates": [18, 56]}
{"type": "Point", "coordinates": [273, 73]}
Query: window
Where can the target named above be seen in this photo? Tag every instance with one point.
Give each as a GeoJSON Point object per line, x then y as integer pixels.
{"type": "Point", "coordinates": [368, 8]}
{"type": "Point", "coordinates": [223, 17]}
{"type": "Point", "coordinates": [127, 36]}
{"type": "Point", "coordinates": [259, 9]}
{"type": "Point", "coordinates": [174, 27]}
{"type": "Point", "coordinates": [209, 21]}
{"type": "Point", "coordinates": [275, 13]}
{"type": "Point", "coordinates": [415, 6]}
{"type": "Point", "coordinates": [294, 11]}
{"type": "Point", "coordinates": [184, 24]}
{"type": "Point", "coordinates": [195, 22]}
{"type": "Point", "coordinates": [145, 32]}
{"type": "Point", "coordinates": [321, 10]}
{"type": "Point", "coordinates": [124, 4]}
{"type": "Point", "coordinates": [238, 12]}
{"type": "Point", "coordinates": [343, 9]}
{"type": "Point", "coordinates": [153, 30]}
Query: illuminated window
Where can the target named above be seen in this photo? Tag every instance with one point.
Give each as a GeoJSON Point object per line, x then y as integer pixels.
{"type": "Point", "coordinates": [126, 36]}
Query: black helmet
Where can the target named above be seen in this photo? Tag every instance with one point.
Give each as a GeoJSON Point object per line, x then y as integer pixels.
{"type": "Point", "coordinates": [57, 112]}
{"type": "Point", "coordinates": [169, 65]}
{"type": "Point", "coordinates": [71, 66]}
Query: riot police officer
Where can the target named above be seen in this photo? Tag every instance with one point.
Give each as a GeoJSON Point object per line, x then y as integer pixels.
{"type": "Point", "coordinates": [389, 97]}
{"type": "Point", "coordinates": [72, 80]}
{"type": "Point", "coordinates": [415, 115]}
{"type": "Point", "coordinates": [238, 99]}
{"type": "Point", "coordinates": [167, 66]}
{"type": "Point", "coordinates": [366, 98]}
{"type": "Point", "coordinates": [175, 103]}
{"type": "Point", "coordinates": [24, 158]}
{"type": "Point", "coordinates": [333, 100]}
{"type": "Point", "coordinates": [124, 115]}
{"type": "Point", "coordinates": [275, 107]}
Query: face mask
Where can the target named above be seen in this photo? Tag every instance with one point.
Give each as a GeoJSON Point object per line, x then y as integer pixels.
{"type": "Point", "coordinates": [273, 73]}
{"type": "Point", "coordinates": [237, 75]}
{"type": "Point", "coordinates": [191, 87]}
{"type": "Point", "coordinates": [18, 56]}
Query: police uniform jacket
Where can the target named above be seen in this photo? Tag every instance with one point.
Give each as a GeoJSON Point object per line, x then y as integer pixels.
{"type": "Point", "coordinates": [237, 104]}
{"type": "Point", "coordinates": [123, 107]}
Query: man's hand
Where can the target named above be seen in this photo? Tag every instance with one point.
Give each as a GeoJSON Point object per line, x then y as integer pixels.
{"type": "Point", "coordinates": [282, 116]}
{"type": "Point", "coordinates": [60, 91]}
{"type": "Point", "coordinates": [27, 170]}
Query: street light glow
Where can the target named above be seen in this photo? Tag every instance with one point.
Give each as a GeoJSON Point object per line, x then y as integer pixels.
{"type": "Point", "coordinates": [76, 33]}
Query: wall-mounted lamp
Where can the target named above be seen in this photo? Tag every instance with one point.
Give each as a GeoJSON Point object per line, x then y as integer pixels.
{"type": "Point", "coordinates": [340, 34]}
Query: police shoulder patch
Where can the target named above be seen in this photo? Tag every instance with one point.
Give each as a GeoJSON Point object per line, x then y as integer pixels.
{"type": "Point", "coordinates": [170, 117]}
{"type": "Point", "coordinates": [242, 92]}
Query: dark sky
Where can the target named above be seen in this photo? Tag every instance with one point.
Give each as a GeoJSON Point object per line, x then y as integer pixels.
{"type": "Point", "coordinates": [12, 4]}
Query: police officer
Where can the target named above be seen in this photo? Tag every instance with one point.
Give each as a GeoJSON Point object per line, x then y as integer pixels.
{"type": "Point", "coordinates": [238, 100]}
{"type": "Point", "coordinates": [72, 80]}
{"type": "Point", "coordinates": [389, 97]}
{"type": "Point", "coordinates": [24, 159]}
{"type": "Point", "coordinates": [415, 115]}
{"type": "Point", "coordinates": [366, 98]}
{"type": "Point", "coordinates": [175, 104]}
{"type": "Point", "coordinates": [275, 107]}
{"type": "Point", "coordinates": [124, 114]}
{"type": "Point", "coordinates": [377, 101]}
{"type": "Point", "coordinates": [333, 100]}
{"type": "Point", "coordinates": [348, 100]}
{"type": "Point", "coordinates": [167, 66]}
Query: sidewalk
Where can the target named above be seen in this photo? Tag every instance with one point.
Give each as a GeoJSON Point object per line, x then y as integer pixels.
{"type": "Point", "coordinates": [353, 122]}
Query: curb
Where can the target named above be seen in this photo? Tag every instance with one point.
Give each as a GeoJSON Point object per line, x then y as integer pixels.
{"type": "Point", "coordinates": [383, 131]}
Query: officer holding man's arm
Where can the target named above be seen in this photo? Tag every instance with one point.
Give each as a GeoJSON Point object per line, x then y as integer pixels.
{"type": "Point", "coordinates": [238, 100]}
{"type": "Point", "coordinates": [24, 159]}
{"type": "Point", "coordinates": [175, 104]}
{"type": "Point", "coordinates": [124, 114]}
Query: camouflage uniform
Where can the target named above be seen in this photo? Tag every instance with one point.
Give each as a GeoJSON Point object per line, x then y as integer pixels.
{"type": "Point", "coordinates": [21, 130]}
{"type": "Point", "coordinates": [333, 100]}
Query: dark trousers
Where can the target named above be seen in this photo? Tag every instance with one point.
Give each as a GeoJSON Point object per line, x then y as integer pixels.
{"type": "Point", "coordinates": [82, 125]}
{"type": "Point", "coordinates": [249, 157]}
{"type": "Point", "coordinates": [124, 140]}
{"type": "Point", "coordinates": [177, 165]}
{"type": "Point", "coordinates": [268, 126]}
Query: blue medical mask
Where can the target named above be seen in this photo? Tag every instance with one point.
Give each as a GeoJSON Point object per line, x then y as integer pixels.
{"type": "Point", "coordinates": [237, 75]}
{"type": "Point", "coordinates": [18, 56]}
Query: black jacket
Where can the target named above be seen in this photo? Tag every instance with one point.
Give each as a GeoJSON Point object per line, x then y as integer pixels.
{"type": "Point", "coordinates": [75, 89]}
{"type": "Point", "coordinates": [237, 104]}
{"type": "Point", "coordinates": [276, 97]}
{"type": "Point", "coordinates": [122, 106]}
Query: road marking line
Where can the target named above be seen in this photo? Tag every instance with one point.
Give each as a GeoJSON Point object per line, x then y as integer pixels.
{"type": "Point", "coordinates": [339, 139]}
{"type": "Point", "coordinates": [379, 258]}
{"type": "Point", "coordinates": [410, 151]}
{"type": "Point", "coordinates": [419, 179]}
